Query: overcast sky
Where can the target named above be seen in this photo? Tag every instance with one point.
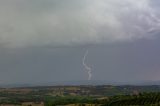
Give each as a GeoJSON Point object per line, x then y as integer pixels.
{"type": "Point", "coordinates": [45, 40]}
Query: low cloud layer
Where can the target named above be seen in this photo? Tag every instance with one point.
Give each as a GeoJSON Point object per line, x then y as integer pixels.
{"type": "Point", "coordinates": [27, 23]}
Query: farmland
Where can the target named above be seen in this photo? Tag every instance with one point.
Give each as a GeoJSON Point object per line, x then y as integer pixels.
{"type": "Point", "coordinates": [78, 95]}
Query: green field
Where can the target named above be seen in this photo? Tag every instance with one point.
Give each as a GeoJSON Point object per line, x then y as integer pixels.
{"type": "Point", "coordinates": [105, 95]}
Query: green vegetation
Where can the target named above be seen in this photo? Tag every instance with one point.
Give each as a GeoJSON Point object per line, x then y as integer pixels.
{"type": "Point", "coordinates": [82, 96]}
{"type": "Point", "coordinates": [71, 100]}
{"type": "Point", "coordinates": [145, 99]}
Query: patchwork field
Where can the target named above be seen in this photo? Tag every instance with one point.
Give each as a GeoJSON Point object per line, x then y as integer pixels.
{"type": "Point", "coordinates": [80, 96]}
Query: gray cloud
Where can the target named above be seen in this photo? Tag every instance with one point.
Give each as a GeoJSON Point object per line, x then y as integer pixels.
{"type": "Point", "coordinates": [37, 39]}
{"type": "Point", "coordinates": [73, 22]}
{"type": "Point", "coordinates": [125, 62]}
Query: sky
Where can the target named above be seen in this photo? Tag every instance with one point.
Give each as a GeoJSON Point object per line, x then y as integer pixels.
{"type": "Point", "coordinates": [45, 41]}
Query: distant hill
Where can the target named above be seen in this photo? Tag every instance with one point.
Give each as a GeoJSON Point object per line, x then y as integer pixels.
{"type": "Point", "coordinates": [80, 82]}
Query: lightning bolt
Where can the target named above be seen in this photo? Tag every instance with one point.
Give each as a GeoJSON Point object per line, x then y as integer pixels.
{"type": "Point", "coordinates": [87, 68]}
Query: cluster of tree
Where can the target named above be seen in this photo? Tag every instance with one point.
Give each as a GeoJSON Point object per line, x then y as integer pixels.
{"type": "Point", "coordinates": [54, 101]}
{"type": "Point", "coordinates": [145, 99]}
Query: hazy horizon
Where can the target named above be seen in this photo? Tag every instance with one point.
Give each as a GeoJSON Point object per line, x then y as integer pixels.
{"type": "Point", "coordinates": [45, 41]}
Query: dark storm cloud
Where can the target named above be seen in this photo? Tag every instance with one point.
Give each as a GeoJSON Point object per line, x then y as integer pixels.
{"type": "Point", "coordinates": [123, 62]}
{"type": "Point", "coordinates": [45, 40]}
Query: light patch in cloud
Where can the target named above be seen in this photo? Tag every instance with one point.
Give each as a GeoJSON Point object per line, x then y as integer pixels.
{"type": "Point", "coordinates": [60, 23]}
